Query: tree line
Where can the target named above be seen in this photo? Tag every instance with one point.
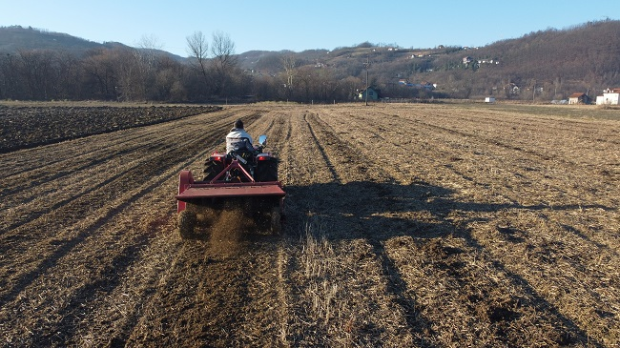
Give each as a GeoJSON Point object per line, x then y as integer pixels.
{"type": "Point", "coordinates": [211, 73]}
{"type": "Point", "coordinates": [543, 65]}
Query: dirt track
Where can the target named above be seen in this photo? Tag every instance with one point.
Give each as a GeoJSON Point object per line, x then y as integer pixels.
{"type": "Point", "coordinates": [411, 225]}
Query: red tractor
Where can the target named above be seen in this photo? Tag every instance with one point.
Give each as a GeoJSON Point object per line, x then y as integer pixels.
{"type": "Point", "coordinates": [245, 179]}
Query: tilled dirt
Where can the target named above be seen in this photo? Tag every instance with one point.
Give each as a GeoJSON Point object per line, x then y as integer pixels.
{"type": "Point", "coordinates": [35, 124]}
{"type": "Point", "coordinates": [406, 225]}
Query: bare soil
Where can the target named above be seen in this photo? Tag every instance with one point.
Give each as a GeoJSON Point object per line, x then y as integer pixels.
{"type": "Point", "coordinates": [28, 125]}
{"type": "Point", "coordinates": [406, 226]}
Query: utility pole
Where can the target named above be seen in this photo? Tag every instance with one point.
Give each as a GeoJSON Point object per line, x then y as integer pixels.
{"type": "Point", "coordinates": [367, 64]}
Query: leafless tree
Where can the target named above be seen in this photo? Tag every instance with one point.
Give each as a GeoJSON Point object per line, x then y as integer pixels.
{"type": "Point", "coordinates": [37, 72]}
{"type": "Point", "coordinates": [289, 62]}
{"type": "Point", "coordinates": [198, 48]}
{"type": "Point", "coordinates": [67, 75]}
{"type": "Point", "coordinates": [129, 77]}
{"type": "Point", "coordinates": [145, 60]}
{"type": "Point", "coordinates": [11, 85]}
{"type": "Point", "coordinates": [168, 85]}
{"type": "Point", "coordinates": [100, 68]}
{"type": "Point", "coordinates": [223, 51]}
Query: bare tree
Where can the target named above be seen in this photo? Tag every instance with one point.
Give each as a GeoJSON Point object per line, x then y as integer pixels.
{"type": "Point", "coordinates": [198, 50]}
{"type": "Point", "coordinates": [128, 84]}
{"type": "Point", "coordinates": [307, 81]}
{"type": "Point", "coordinates": [168, 84]}
{"type": "Point", "coordinates": [145, 61]}
{"type": "Point", "coordinates": [11, 83]}
{"type": "Point", "coordinates": [289, 62]}
{"type": "Point", "coordinates": [67, 76]}
{"type": "Point", "coordinates": [100, 68]}
{"type": "Point", "coordinates": [37, 72]}
{"type": "Point", "coordinates": [223, 50]}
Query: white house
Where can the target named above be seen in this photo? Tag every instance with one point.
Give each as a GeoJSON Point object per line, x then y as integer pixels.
{"type": "Point", "coordinates": [609, 97]}
{"type": "Point", "coordinates": [578, 98]}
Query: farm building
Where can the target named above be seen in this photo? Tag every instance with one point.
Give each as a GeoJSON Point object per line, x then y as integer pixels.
{"type": "Point", "coordinates": [609, 97]}
{"type": "Point", "coordinates": [578, 98]}
{"type": "Point", "coordinates": [372, 94]}
{"type": "Point", "coordinates": [423, 84]}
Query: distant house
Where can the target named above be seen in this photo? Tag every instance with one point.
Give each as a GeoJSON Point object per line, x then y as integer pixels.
{"type": "Point", "coordinates": [429, 86]}
{"type": "Point", "coordinates": [513, 89]}
{"type": "Point", "coordinates": [578, 98]}
{"type": "Point", "coordinates": [488, 61]}
{"type": "Point", "coordinates": [372, 94]}
{"type": "Point", "coordinates": [609, 97]}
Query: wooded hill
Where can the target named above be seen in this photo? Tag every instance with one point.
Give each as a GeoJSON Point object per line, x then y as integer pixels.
{"type": "Point", "coordinates": [584, 58]}
{"type": "Point", "coordinates": [13, 39]}
{"type": "Point", "coordinates": [16, 38]}
{"type": "Point", "coordinates": [541, 66]}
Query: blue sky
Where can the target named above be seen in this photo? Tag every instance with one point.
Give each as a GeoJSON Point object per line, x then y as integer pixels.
{"type": "Point", "coordinates": [296, 25]}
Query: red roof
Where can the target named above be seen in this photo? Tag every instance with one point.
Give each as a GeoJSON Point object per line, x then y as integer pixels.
{"type": "Point", "coordinates": [577, 95]}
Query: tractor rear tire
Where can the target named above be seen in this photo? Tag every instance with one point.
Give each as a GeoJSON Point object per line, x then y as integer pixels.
{"type": "Point", "coordinates": [187, 224]}
{"type": "Point", "coordinates": [212, 169]}
{"type": "Point", "coordinates": [267, 171]}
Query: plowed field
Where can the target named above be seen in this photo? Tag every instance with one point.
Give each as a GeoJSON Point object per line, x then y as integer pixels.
{"type": "Point", "coordinates": [407, 225]}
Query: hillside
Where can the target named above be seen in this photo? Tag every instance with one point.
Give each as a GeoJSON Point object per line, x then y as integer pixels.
{"type": "Point", "coordinates": [17, 38]}
{"type": "Point", "coordinates": [582, 58]}
{"type": "Point", "coordinates": [542, 66]}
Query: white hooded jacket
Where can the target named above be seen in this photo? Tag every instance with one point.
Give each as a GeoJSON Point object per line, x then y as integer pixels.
{"type": "Point", "coordinates": [238, 139]}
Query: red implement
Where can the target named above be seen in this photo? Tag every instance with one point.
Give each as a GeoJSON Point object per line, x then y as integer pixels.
{"type": "Point", "coordinates": [191, 191]}
{"type": "Point", "coordinates": [245, 184]}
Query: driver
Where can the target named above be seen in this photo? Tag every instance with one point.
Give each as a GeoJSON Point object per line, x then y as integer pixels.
{"type": "Point", "coordinates": [238, 139]}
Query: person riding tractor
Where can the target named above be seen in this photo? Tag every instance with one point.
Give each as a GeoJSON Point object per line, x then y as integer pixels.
{"type": "Point", "coordinates": [244, 176]}
{"type": "Point", "coordinates": [239, 141]}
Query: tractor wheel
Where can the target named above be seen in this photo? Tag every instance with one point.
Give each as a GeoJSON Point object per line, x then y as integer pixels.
{"type": "Point", "coordinates": [276, 221]}
{"type": "Point", "coordinates": [267, 171]}
{"type": "Point", "coordinates": [187, 223]}
{"type": "Point", "coordinates": [212, 169]}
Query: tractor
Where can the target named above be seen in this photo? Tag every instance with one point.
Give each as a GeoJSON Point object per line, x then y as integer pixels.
{"type": "Point", "coordinates": [239, 179]}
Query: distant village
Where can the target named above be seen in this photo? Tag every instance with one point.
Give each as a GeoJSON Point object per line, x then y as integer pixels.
{"type": "Point", "coordinates": [610, 96]}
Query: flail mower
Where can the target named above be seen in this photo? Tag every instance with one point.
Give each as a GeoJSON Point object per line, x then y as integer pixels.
{"type": "Point", "coordinates": [244, 180]}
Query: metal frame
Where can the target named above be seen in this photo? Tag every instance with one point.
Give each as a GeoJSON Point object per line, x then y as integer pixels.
{"type": "Point", "coordinates": [190, 190]}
